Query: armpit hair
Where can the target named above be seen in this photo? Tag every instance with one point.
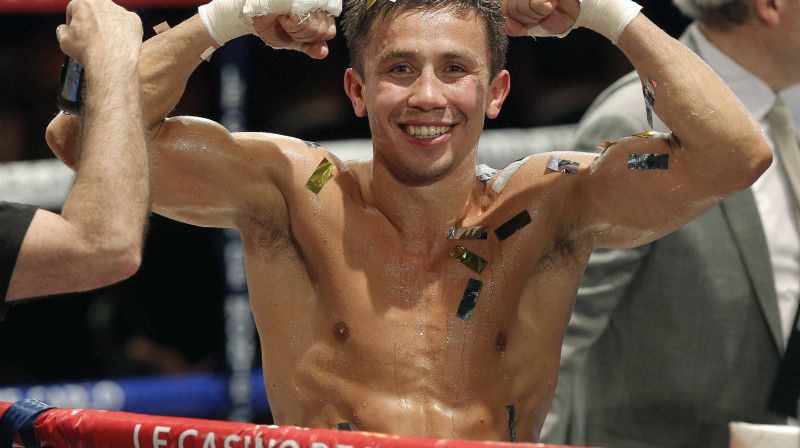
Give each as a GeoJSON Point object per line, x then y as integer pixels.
{"type": "Point", "coordinates": [560, 255]}
{"type": "Point", "coordinates": [564, 250]}
{"type": "Point", "coordinates": [264, 231]}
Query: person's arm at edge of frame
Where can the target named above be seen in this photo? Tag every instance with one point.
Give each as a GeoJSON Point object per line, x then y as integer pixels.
{"type": "Point", "coordinates": [97, 240]}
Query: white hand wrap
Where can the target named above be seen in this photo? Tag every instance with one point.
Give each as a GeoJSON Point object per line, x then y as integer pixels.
{"type": "Point", "coordinates": [229, 19]}
{"type": "Point", "coordinates": [607, 17]}
{"type": "Point", "coordinates": [254, 8]}
{"type": "Point", "coordinates": [225, 20]}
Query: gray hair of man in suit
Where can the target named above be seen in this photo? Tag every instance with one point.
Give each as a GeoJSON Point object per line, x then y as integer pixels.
{"type": "Point", "coordinates": [717, 14]}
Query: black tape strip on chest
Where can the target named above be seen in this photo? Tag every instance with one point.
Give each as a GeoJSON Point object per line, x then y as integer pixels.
{"type": "Point", "coordinates": [511, 226]}
{"type": "Point", "coordinates": [512, 423]}
{"type": "Point", "coordinates": [468, 233]}
{"type": "Point", "coordinates": [470, 299]}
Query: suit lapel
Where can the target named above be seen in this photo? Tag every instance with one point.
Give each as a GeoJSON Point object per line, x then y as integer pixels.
{"type": "Point", "coordinates": [742, 215]}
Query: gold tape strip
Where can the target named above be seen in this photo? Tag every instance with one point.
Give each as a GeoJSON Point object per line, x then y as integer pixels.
{"type": "Point", "coordinates": [370, 3]}
{"type": "Point", "coordinates": [469, 259]}
{"type": "Point", "coordinates": [321, 175]}
{"type": "Point", "coordinates": [161, 27]}
{"type": "Point", "coordinates": [648, 134]}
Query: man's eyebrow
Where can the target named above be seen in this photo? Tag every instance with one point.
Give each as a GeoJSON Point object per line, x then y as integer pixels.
{"type": "Point", "coordinates": [396, 54]}
{"type": "Point", "coordinates": [460, 55]}
{"type": "Point", "coordinates": [406, 54]}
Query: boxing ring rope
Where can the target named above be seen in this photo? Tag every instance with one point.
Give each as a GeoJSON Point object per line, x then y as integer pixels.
{"type": "Point", "coordinates": [33, 424]}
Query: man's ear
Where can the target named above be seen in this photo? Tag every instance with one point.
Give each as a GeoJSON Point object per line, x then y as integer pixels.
{"type": "Point", "coordinates": [768, 11]}
{"type": "Point", "coordinates": [354, 88]}
{"type": "Point", "coordinates": [498, 92]}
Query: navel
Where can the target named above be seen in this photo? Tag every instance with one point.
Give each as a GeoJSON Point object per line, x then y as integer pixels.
{"type": "Point", "coordinates": [500, 342]}
{"type": "Point", "coordinates": [341, 331]}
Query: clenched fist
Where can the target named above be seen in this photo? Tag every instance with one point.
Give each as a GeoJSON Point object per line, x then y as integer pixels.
{"type": "Point", "coordinates": [98, 31]}
{"type": "Point", "coordinates": [303, 33]}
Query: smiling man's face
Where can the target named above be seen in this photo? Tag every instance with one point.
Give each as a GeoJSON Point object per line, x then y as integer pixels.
{"type": "Point", "coordinates": [426, 91]}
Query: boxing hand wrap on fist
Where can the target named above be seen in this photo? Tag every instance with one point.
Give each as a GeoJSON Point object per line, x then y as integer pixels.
{"type": "Point", "coordinates": [254, 8]}
{"type": "Point", "coordinates": [607, 17]}
{"type": "Point", "coordinates": [229, 19]}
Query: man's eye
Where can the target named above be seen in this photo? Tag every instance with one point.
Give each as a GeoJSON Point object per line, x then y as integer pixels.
{"type": "Point", "coordinates": [400, 69]}
{"type": "Point", "coordinates": [455, 69]}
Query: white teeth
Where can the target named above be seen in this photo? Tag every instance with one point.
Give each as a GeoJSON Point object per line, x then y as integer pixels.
{"type": "Point", "coordinates": [427, 131]}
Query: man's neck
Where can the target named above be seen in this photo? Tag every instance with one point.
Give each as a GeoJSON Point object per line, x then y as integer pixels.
{"type": "Point", "coordinates": [758, 50]}
{"type": "Point", "coordinates": [423, 212]}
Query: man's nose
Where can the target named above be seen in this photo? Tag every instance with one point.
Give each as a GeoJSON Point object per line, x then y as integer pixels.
{"type": "Point", "coordinates": [427, 92]}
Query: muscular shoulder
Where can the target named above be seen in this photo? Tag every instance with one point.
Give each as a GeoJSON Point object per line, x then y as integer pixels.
{"type": "Point", "coordinates": [548, 186]}
{"type": "Point", "coordinates": [305, 177]}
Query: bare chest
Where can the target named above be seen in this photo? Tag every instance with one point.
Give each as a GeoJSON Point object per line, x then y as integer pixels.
{"type": "Point", "coordinates": [355, 314]}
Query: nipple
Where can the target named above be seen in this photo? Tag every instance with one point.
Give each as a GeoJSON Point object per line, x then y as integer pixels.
{"type": "Point", "coordinates": [500, 342]}
{"type": "Point", "coordinates": [341, 331]}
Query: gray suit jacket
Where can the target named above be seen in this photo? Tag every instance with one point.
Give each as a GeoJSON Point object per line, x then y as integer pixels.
{"type": "Point", "coordinates": [671, 341]}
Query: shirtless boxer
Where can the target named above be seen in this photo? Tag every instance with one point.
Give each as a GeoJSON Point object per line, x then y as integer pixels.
{"type": "Point", "coordinates": [354, 290]}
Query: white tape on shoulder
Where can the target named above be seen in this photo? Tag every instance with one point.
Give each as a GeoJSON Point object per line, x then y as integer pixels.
{"type": "Point", "coordinates": [502, 178]}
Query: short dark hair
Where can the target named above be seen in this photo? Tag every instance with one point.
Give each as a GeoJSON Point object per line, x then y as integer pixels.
{"type": "Point", "coordinates": [717, 14]}
{"type": "Point", "coordinates": [358, 22]}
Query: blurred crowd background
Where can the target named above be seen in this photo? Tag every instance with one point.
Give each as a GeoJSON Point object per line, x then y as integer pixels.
{"type": "Point", "coordinates": [168, 318]}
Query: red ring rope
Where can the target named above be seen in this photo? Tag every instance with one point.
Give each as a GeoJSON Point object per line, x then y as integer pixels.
{"type": "Point", "coordinates": [72, 428]}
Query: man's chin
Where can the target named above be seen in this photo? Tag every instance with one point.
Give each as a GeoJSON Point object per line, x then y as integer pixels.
{"type": "Point", "coordinates": [426, 174]}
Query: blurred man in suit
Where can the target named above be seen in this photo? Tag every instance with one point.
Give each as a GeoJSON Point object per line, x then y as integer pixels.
{"type": "Point", "coordinates": [671, 341]}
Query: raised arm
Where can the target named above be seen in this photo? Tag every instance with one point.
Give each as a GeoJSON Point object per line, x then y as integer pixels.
{"type": "Point", "coordinates": [197, 165]}
{"type": "Point", "coordinates": [716, 148]}
{"type": "Point", "coordinates": [97, 239]}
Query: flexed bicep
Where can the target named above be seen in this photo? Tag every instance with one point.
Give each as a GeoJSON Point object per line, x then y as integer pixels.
{"type": "Point", "coordinates": [641, 188]}
{"type": "Point", "coordinates": [203, 175]}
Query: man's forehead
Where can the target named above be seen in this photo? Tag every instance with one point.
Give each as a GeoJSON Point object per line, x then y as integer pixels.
{"type": "Point", "coordinates": [401, 33]}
